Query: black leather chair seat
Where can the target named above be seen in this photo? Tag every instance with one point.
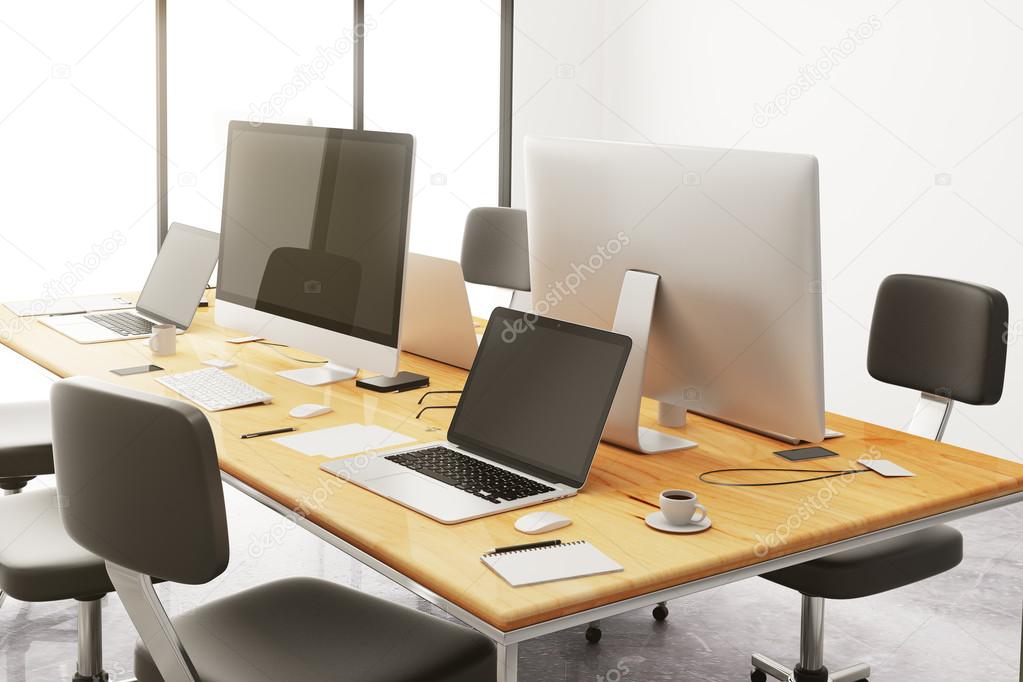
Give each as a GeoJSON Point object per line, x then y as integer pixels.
{"type": "Point", "coordinates": [876, 568]}
{"type": "Point", "coordinates": [38, 561]}
{"type": "Point", "coordinates": [25, 445]}
{"type": "Point", "coordinates": [311, 630]}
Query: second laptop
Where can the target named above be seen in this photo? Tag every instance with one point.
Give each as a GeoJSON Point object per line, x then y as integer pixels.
{"type": "Point", "coordinates": [526, 428]}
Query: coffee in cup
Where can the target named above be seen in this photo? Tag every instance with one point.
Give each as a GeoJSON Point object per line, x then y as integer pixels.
{"type": "Point", "coordinates": [680, 507]}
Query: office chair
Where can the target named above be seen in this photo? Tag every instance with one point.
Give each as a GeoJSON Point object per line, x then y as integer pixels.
{"type": "Point", "coordinates": [24, 447]}
{"type": "Point", "coordinates": [158, 510]}
{"type": "Point", "coordinates": [38, 561]}
{"type": "Point", "coordinates": [495, 252]}
{"type": "Point", "coordinates": [25, 450]}
{"type": "Point", "coordinates": [945, 339]}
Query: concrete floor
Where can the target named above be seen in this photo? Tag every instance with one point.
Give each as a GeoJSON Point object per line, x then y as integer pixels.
{"type": "Point", "coordinates": [962, 625]}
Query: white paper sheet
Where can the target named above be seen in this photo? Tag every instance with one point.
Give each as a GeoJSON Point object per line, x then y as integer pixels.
{"type": "Point", "coordinates": [67, 306]}
{"type": "Point", "coordinates": [340, 441]}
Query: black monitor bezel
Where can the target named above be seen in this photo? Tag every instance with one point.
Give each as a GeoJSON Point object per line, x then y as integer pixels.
{"type": "Point", "coordinates": [390, 340]}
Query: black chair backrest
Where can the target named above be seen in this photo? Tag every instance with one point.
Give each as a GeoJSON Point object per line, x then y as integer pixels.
{"type": "Point", "coordinates": [495, 248]}
{"type": "Point", "coordinates": [138, 481]}
{"type": "Point", "coordinates": [940, 336]}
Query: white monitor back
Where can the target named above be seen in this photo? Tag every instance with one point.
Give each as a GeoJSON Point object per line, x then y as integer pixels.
{"type": "Point", "coordinates": [734, 235]}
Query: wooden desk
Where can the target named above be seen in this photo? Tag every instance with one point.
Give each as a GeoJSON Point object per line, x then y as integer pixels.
{"type": "Point", "coordinates": [755, 529]}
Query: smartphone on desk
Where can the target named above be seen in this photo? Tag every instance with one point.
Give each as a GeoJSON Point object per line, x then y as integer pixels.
{"type": "Point", "coordinates": [141, 369]}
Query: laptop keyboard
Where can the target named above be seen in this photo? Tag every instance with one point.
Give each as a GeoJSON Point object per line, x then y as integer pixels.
{"type": "Point", "coordinates": [474, 476]}
{"type": "Point", "coordinates": [125, 324]}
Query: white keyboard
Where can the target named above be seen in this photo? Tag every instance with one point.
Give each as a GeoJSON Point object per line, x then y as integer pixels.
{"type": "Point", "coordinates": [213, 389]}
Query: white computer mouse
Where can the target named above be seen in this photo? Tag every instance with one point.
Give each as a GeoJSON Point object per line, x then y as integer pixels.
{"type": "Point", "coordinates": [307, 410]}
{"type": "Point", "coordinates": [541, 522]}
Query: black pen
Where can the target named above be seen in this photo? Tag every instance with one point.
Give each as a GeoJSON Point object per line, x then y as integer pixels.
{"type": "Point", "coordinates": [528, 545]}
{"type": "Point", "coordinates": [268, 433]}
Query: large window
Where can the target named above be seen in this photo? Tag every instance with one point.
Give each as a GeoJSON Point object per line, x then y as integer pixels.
{"type": "Point", "coordinates": [257, 61]}
{"type": "Point", "coordinates": [432, 69]}
{"type": "Point", "coordinates": [77, 166]}
{"type": "Point", "coordinates": [77, 118]}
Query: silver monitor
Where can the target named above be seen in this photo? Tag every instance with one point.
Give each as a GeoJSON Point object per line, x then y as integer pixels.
{"type": "Point", "coordinates": [313, 244]}
{"type": "Point", "coordinates": [733, 327]}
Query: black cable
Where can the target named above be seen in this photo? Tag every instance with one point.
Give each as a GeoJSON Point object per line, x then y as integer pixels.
{"type": "Point", "coordinates": [289, 357]}
{"type": "Point", "coordinates": [830, 474]}
{"type": "Point", "coordinates": [435, 407]}
{"type": "Point", "coordinates": [421, 399]}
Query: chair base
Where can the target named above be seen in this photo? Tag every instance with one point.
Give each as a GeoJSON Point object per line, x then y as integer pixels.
{"type": "Point", "coordinates": [90, 642]}
{"type": "Point", "coordinates": [12, 485]}
{"type": "Point", "coordinates": [764, 667]}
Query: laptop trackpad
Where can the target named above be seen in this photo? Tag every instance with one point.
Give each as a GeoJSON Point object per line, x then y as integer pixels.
{"type": "Point", "coordinates": [435, 499]}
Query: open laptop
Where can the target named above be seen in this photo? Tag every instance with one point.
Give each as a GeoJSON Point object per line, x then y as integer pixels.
{"type": "Point", "coordinates": [436, 318]}
{"type": "Point", "coordinates": [525, 430]}
{"type": "Point", "coordinates": [171, 295]}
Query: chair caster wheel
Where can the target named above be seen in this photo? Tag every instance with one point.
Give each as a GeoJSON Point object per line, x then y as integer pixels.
{"type": "Point", "coordinates": [660, 612]}
{"type": "Point", "coordinates": [593, 634]}
{"type": "Point", "coordinates": [757, 675]}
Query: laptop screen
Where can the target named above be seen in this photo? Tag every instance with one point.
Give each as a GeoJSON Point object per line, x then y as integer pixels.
{"type": "Point", "coordinates": [180, 275]}
{"type": "Point", "coordinates": [539, 393]}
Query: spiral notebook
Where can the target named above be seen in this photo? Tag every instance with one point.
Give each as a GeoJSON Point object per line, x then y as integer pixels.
{"type": "Point", "coordinates": [546, 564]}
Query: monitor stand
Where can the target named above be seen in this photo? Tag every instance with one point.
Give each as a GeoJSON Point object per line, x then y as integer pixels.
{"type": "Point", "coordinates": [633, 318]}
{"type": "Point", "coordinates": [319, 376]}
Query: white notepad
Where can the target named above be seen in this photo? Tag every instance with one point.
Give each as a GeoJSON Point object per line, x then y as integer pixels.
{"type": "Point", "coordinates": [544, 564]}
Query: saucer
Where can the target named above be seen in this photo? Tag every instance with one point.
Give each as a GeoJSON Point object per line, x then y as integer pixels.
{"type": "Point", "coordinates": [657, 520]}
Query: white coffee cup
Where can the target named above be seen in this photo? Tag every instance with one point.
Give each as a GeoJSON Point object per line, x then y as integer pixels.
{"type": "Point", "coordinates": [164, 340]}
{"type": "Point", "coordinates": [680, 507]}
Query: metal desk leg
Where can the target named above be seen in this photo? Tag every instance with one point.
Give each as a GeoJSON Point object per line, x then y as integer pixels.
{"type": "Point", "coordinates": [507, 662]}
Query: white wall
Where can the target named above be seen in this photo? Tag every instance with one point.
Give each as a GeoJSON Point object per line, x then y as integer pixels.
{"type": "Point", "coordinates": [918, 126]}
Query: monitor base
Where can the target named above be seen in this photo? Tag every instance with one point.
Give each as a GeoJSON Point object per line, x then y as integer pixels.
{"type": "Point", "coordinates": [633, 318]}
{"type": "Point", "coordinates": [319, 376]}
{"type": "Point", "coordinates": [652, 442]}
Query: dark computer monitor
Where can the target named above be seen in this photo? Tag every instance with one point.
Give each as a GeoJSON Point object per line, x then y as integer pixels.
{"type": "Point", "coordinates": [314, 239]}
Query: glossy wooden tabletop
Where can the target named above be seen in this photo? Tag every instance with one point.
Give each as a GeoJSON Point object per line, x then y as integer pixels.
{"type": "Point", "coordinates": [749, 524]}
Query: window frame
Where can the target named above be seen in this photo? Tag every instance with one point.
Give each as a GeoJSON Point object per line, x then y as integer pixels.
{"type": "Point", "coordinates": [358, 100]}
